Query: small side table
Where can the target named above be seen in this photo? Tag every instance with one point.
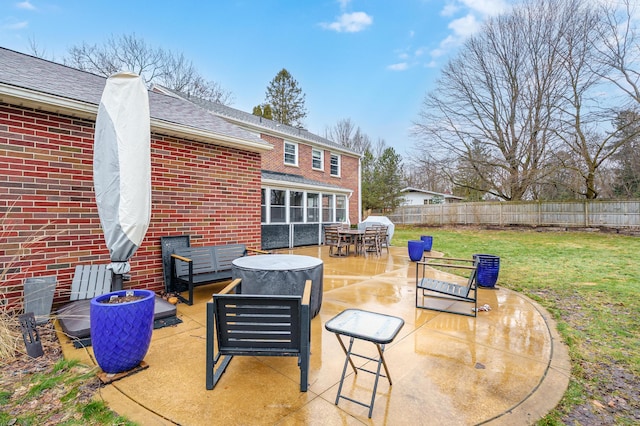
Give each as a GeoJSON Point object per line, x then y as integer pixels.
{"type": "Point", "coordinates": [378, 329]}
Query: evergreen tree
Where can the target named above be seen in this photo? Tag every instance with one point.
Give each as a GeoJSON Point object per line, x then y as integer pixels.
{"type": "Point", "coordinates": [286, 99]}
{"type": "Point", "coordinates": [381, 180]}
{"type": "Point", "coordinates": [263, 110]}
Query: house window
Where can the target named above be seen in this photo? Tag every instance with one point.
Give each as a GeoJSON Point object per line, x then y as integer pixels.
{"type": "Point", "coordinates": [313, 207]}
{"type": "Point", "coordinates": [327, 208]}
{"type": "Point", "coordinates": [263, 206]}
{"type": "Point", "coordinates": [278, 207]}
{"type": "Point", "coordinates": [290, 154]}
{"type": "Point", "coordinates": [341, 208]}
{"type": "Point", "coordinates": [296, 206]}
{"type": "Point", "coordinates": [317, 159]}
{"type": "Point", "coordinates": [335, 165]}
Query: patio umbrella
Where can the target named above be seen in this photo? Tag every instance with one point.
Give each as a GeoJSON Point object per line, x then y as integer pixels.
{"type": "Point", "coordinates": [122, 168]}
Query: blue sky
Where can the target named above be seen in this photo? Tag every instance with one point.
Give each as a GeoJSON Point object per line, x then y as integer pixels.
{"type": "Point", "coordinates": [371, 61]}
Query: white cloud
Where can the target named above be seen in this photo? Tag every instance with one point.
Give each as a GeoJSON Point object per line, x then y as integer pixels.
{"type": "Point", "coordinates": [465, 26]}
{"type": "Point", "coordinates": [25, 5]}
{"type": "Point", "coordinates": [486, 7]}
{"type": "Point", "coordinates": [15, 25]}
{"type": "Point", "coordinates": [450, 9]}
{"type": "Point", "coordinates": [350, 23]}
{"type": "Point", "coordinates": [344, 4]}
{"type": "Point", "coordinates": [475, 11]}
{"type": "Point", "coordinates": [401, 66]}
{"type": "Point", "coordinates": [445, 46]}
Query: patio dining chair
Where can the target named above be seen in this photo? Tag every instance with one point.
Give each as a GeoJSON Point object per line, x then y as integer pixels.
{"type": "Point", "coordinates": [338, 246]}
{"type": "Point", "coordinates": [383, 237]}
{"type": "Point", "coordinates": [370, 241]}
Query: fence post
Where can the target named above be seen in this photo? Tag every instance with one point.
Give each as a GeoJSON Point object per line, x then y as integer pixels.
{"type": "Point", "coordinates": [586, 214]}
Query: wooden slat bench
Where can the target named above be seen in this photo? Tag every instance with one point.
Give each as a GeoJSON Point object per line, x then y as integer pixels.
{"type": "Point", "coordinates": [257, 325]}
{"type": "Point", "coordinates": [194, 266]}
{"type": "Point", "coordinates": [90, 281]}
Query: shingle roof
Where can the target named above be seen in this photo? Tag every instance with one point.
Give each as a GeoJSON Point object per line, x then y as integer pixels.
{"type": "Point", "coordinates": [39, 75]}
{"type": "Point", "coordinates": [260, 122]}
{"type": "Point", "coordinates": [298, 180]}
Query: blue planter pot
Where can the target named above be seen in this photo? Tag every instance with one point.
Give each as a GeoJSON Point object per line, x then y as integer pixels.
{"type": "Point", "coordinates": [121, 332]}
{"type": "Point", "coordinates": [488, 269]}
{"type": "Point", "coordinates": [416, 250]}
{"type": "Point", "coordinates": [428, 242]}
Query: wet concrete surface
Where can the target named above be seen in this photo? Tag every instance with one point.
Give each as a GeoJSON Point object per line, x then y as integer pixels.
{"type": "Point", "coordinates": [506, 366]}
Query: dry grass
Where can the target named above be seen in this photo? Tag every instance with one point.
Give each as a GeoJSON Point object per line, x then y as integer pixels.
{"type": "Point", "coordinates": [10, 335]}
{"type": "Point", "coordinates": [10, 338]}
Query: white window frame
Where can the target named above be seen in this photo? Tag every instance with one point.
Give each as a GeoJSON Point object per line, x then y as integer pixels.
{"type": "Point", "coordinates": [285, 153]}
{"type": "Point", "coordinates": [338, 165]}
{"type": "Point", "coordinates": [313, 159]}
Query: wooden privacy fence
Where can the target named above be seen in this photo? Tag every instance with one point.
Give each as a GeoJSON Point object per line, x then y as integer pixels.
{"type": "Point", "coordinates": [588, 213]}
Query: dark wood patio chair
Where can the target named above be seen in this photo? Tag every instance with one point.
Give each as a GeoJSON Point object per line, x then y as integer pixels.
{"type": "Point", "coordinates": [338, 246]}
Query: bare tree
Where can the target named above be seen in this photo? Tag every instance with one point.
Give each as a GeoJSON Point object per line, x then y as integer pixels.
{"type": "Point", "coordinates": [619, 46]}
{"type": "Point", "coordinates": [155, 65]}
{"type": "Point", "coordinates": [502, 91]}
{"type": "Point", "coordinates": [347, 134]}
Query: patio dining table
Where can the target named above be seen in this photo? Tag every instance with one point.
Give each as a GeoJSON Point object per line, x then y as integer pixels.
{"type": "Point", "coordinates": [354, 237]}
{"type": "Point", "coordinates": [280, 274]}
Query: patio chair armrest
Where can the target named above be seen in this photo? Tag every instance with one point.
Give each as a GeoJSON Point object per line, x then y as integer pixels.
{"type": "Point", "coordinates": [184, 259]}
{"type": "Point", "coordinates": [233, 287]}
{"type": "Point", "coordinates": [306, 293]}
{"type": "Point", "coordinates": [258, 251]}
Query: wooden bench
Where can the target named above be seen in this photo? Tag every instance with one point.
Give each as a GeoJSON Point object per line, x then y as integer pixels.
{"type": "Point", "coordinates": [257, 325]}
{"type": "Point", "coordinates": [194, 266]}
{"type": "Point", "coordinates": [88, 282]}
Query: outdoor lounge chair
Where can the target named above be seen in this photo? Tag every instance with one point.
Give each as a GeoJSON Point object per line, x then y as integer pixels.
{"type": "Point", "coordinates": [257, 325]}
{"type": "Point", "coordinates": [438, 289]}
{"type": "Point", "coordinates": [88, 282]}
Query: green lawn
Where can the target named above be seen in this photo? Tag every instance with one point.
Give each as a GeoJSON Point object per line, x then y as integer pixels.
{"type": "Point", "coordinates": [590, 282]}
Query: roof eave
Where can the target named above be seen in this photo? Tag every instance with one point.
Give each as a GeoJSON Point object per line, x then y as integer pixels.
{"type": "Point", "coordinates": [40, 101]}
{"type": "Point", "coordinates": [286, 136]}
{"type": "Point", "coordinates": [177, 130]}
{"type": "Point", "coordinates": [306, 186]}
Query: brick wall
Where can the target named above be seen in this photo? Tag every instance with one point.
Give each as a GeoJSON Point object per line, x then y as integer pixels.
{"type": "Point", "coordinates": [209, 192]}
{"type": "Point", "coordinates": [274, 161]}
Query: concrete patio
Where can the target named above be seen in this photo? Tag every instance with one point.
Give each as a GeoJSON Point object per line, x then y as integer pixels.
{"type": "Point", "coordinates": [505, 367]}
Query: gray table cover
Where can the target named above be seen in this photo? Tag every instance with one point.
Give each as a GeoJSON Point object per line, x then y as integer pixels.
{"type": "Point", "coordinates": [280, 274]}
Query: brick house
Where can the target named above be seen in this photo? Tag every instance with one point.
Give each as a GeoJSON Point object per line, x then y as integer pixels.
{"type": "Point", "coordinates": [209, 177]}
{"type": "Point", "coordinates": [307, 180]}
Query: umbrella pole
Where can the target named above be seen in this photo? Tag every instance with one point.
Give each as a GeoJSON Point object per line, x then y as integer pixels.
{"type": "Point", "coordinates": [116, 282]}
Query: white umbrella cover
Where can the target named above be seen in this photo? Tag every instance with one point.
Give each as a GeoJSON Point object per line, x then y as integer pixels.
{"type": "Point", "coordinates": [122, 168]}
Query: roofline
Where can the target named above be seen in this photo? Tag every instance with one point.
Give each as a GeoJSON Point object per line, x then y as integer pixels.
{"type": "Point", "coordinates": [307, 186]}
{"type": "Point", "coordinates": [41, 101]}
{"type": "Point", "coordinates": [424, 191]}
{"type": "Point", "coordinates": [257, 127]}
{"type": "Point", "coordinates": [285, 135]}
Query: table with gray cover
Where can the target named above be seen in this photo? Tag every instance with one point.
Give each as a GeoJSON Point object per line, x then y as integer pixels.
{"type": "Point", "coordinates": [280, 274]}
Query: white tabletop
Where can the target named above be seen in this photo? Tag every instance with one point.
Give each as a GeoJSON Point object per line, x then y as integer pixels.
{"type": "Point", "coordinates": [366, 325]}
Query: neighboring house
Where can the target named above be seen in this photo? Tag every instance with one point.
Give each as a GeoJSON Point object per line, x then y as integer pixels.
{"type": "Point", "coordinates": [419, 197]}
{"type": "Point", "coordinates": [206, 177]}
{"type": "Point", "coordinates": [307, 180]}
